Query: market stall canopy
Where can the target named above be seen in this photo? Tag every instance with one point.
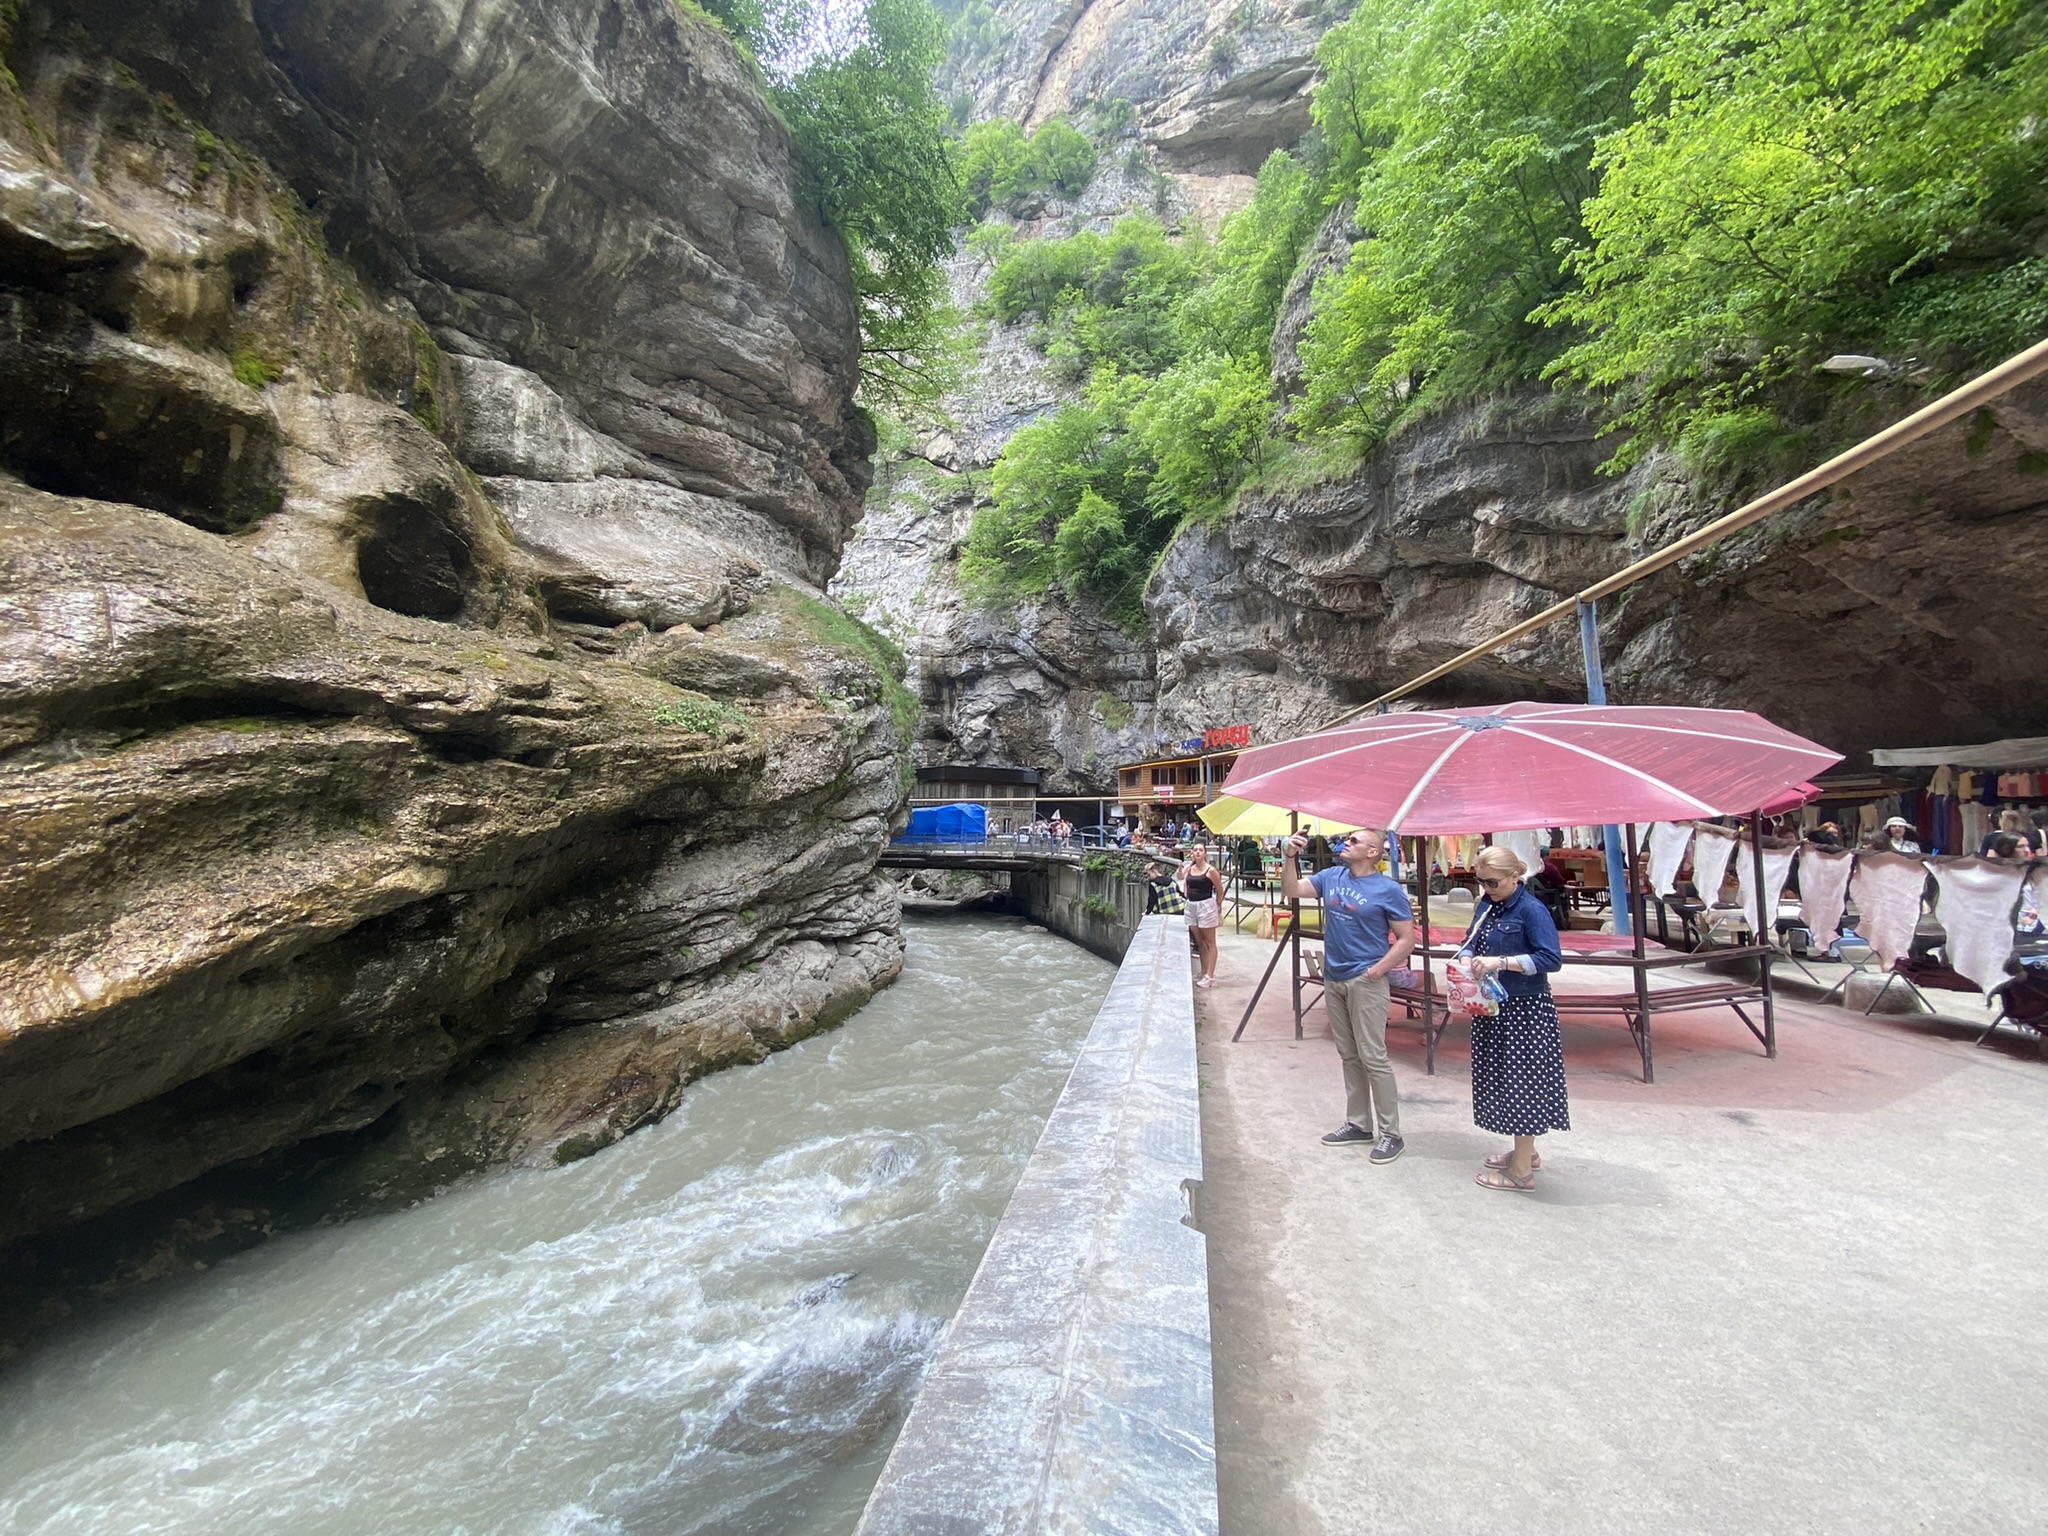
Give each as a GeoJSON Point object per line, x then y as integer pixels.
{"type": "Point", "coordinates": [2012, 754]}
{"type": "Point", "coordinates": [1531, 765]}
{"type": "Point", "coordinates": [1228, 816]}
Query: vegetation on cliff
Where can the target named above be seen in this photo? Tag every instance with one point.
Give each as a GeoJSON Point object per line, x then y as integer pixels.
{"type": "Point", "coordinates": [1001, 166]}
{"type": "Point", "coordinates": [1172, 336]}
{"type": "Point", "coordinates": [1681, 208]}
{"type": "Point", "coordinates": [856, 90]}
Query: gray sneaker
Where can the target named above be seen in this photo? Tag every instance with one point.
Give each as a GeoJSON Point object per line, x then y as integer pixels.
{"type": "Point", "coordinates": [1345, 1135]}
{"type": "Point", "coordinates": [1386, 1149]}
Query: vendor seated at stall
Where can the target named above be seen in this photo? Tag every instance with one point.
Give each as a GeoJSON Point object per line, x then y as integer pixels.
{"type": "Point", "coordinates": [1551, 886]}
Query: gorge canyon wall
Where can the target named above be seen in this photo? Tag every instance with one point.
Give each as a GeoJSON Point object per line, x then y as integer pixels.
{"type": "Point", "coordinates": [1881, 614]}
{"type": "Point", "coordinates": [425, 433]}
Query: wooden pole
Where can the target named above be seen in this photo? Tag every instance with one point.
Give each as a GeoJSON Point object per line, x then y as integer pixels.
{"type": "Point", "coordinates": [1294, 930]}
{"type": "Point", "coordinates": [1422, 939]}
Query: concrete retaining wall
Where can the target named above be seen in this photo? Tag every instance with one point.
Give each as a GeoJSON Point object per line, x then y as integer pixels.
{"type": "Point", "coordinates": [1099, 909]}
{"type": "Point", "coordinates": [1072, 1391]}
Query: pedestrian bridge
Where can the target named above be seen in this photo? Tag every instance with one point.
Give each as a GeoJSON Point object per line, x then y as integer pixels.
{"type": "Point", "coordinates": [1000, 854]}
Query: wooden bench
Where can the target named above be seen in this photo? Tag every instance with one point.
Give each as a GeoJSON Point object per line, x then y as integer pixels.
{"type": "Point", "coordinates": [1636, 1007]}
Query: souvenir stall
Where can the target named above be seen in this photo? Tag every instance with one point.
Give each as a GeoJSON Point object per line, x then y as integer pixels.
{"type": "Point", "coordinates": [1955, 794]}
{"type": "Point", "coordinates": [1985, 913]}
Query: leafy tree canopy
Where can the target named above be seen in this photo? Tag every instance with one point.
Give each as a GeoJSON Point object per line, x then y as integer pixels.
{"type": "Point", "coordinates": [1807, 177]}
{"type": "Point", "coordinates": [1173, 334]}
{"type": "Point", "coordinates": [1465, 130]}
{"type": "Point", "coordinates": [999, 166]}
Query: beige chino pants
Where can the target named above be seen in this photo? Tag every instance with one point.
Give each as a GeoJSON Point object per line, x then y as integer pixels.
{"type": "Point", "coordinates": [1358, 1020]}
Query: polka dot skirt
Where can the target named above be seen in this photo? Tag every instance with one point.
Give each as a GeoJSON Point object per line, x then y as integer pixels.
{"type": "Point", "coordinates": [1518, 1069]}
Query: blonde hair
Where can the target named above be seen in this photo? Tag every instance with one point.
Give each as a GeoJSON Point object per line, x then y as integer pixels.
{"type": "Point", "coordinates": [2013, 821]}
{"type": "Point", "coordinates": [1497, 860]}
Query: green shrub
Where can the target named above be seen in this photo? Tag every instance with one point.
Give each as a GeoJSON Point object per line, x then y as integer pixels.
{"type": "Point", "coordinates": [999, 167]}
{"type": "Point", "coordinates": [705, 717]}
{"type": "Point", "coordinates": [252, 368]}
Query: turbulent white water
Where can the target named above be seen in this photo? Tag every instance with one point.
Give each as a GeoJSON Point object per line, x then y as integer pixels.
{"type": "Point", "coordinates": [712, 1327]}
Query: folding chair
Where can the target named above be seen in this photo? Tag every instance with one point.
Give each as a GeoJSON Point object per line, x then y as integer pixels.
{"type": "Point", "coordinates": [2022, 1001]}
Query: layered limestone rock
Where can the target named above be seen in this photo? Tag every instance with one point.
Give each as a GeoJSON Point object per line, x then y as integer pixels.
{"type": "Point", "coordinates": [1216, 87]}
{"type": "Point", "coordinates": [423, 430]}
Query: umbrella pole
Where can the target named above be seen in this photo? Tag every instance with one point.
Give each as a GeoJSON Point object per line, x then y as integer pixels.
{"type": "Point", "coordinates": [1767, 926]}
{"type": "Point", "coordinates": [1422, 942]}
{"type": "Point", "coordinates": [1294, 932]}
{"type": "Point", "coordinates": [1629, 895]}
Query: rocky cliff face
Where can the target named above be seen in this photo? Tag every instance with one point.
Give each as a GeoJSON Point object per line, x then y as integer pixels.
{"type": "Point", "coordinates": [1876, 616]}
{"type": "Point", "coordinates": [1050, 685]}
{"type": "Point", "coordinates": [1216, 87]}
{"type": "Point", "coordinates": [1888, 613]}
{"type": "Point", "coordinates": [1213, 91]}
{"type": "Point", "coordinates": [423, 429]}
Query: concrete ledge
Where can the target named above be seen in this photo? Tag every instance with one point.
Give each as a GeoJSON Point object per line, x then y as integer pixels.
{"type": "Point", "coordinates": [1072, 1391]}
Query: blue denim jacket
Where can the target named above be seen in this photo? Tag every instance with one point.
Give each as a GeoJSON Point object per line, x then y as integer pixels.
{"type": "Point", "coordinates": [1524, 927]}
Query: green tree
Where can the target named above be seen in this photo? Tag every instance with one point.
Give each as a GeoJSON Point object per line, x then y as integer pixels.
{"type": "Point", "coordinates": [1203, 423]}
{"type": "Point", "coordinates": [1466, 131]}
{"type": "Point", "coordinates": [1254, 259]}
{"type": "Point", "coordinates": [1071, 506]}
{"type": "Point", "coordinates": [1806, 177]}
{"type": "Point", "coordinates": [1062, 157]}
{"type": "Point", "coordinates": [999, 166]}
{"type": "Point", "coordinates": [1103, 298]}
{"type": "Point", "coordinates": [993, 154]}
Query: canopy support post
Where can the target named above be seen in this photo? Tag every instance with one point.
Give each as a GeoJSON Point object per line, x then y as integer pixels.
{"type": "Point", "coordinates": [1629, 893]}
{"type": "Point", "coordinates": [1294, 931]}
{"type": "Point", "coordinates": [1422, 947]}
{"type": "Point", "coordinates": [1767, 923]}
{"type": "Point", "coordinates": [1596, 693]}
{"type": "Point", "coordinates": [1279, 949]}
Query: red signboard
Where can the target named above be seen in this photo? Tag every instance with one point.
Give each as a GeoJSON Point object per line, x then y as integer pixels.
{"type": "Point", "coordinates": [1228, 736]}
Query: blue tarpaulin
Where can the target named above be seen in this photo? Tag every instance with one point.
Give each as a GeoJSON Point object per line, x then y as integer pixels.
{"type": "Point", "coordinates": [947, 824]}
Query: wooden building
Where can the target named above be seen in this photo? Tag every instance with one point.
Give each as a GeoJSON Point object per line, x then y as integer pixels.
{"type": "Point", "coordinates": [1179, 784]}
{"type": "Point", "coordinates": [1009, 795]}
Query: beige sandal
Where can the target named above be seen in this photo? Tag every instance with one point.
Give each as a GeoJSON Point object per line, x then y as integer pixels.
{"type": "Point", "coordinates": [1504, 1178]}
{"type": "Point", "coordinates": [1500, 1160]}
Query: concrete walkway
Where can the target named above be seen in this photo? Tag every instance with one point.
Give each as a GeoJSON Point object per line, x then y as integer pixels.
{"type": "Point", "coordinates": [1802, 1295]}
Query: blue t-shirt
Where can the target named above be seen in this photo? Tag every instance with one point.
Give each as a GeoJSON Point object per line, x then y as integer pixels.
{"type": "Point", "coordinates": [1356, 912]}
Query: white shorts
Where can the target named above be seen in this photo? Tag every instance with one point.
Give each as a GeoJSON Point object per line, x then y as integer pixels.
{"type": "Point", "coordinates": [1206, 914]}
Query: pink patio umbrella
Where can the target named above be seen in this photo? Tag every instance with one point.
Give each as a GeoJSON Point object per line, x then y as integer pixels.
{"type": "Point", "coordinates": [1534, 765]}
{"type": "Point", "coordinates": [1531, 765]}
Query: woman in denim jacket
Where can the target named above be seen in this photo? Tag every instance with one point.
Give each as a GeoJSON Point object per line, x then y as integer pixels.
{"type": "Point", "coordinates": [1517, 1054]}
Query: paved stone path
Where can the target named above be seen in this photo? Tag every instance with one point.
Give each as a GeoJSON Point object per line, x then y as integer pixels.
{"type": "Point", "coordinates": [1756, 1296]}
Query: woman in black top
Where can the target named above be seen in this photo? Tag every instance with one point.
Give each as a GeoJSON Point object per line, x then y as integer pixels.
{"type": "Point", "coordinates": [1204, 887]}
